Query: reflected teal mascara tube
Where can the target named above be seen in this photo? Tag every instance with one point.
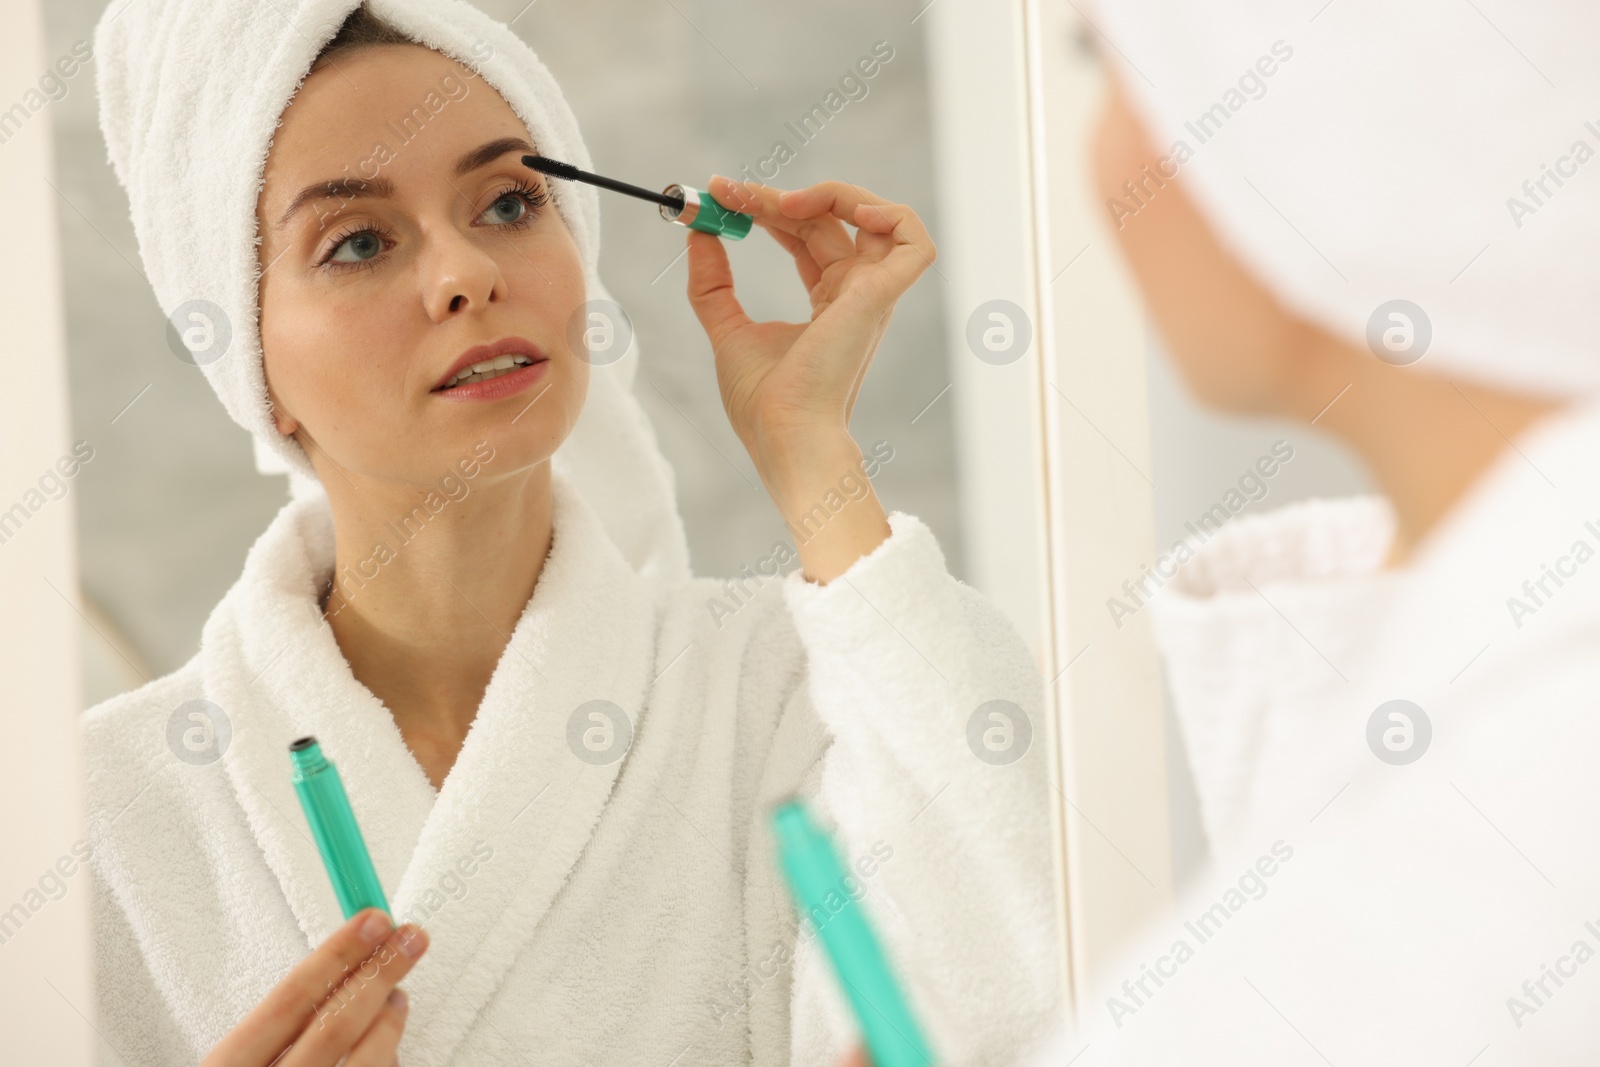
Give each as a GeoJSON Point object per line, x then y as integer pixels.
{"type": "Point", "coordinates": [333, 827]}
{"type": "Point", "coordinates": [815, 872]}
{"type": "Point", "coordinates": [683, 204]}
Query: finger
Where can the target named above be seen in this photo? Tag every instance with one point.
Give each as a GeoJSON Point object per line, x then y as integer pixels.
{"type": "Point", "coordinates": [912, 251]}
{"type": "Point", "coordinates": [350, 1009]}
{"type": "Point", "coordinates": [810, 273]}
{"type": "Point", "coordinates": [711, 287]}
{"type": "Point", "coordinates": [826, 238]}
{"type": "Point", "coordinates": [857, 206]}
{"type": "Point", "coordinates": [285, 1010]}
{"type": "Point", "coordinates": [378, 1045]}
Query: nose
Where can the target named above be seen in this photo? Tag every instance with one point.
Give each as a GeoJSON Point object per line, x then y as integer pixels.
{"type": "Point", "coordinates": [459, 277]}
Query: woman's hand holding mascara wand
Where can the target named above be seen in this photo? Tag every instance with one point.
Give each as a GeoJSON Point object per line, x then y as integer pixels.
{"type": "Point", "coordinates": [789, 388]}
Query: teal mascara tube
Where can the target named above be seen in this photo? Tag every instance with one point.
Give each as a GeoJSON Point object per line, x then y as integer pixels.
{"type": "Point", "coordinates": [815, 873]}
{"type": "Point", "coordinates": [333, 827]}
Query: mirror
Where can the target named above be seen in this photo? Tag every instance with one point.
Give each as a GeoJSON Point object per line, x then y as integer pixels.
{"type": "Point", "coordinates": [928, 104]}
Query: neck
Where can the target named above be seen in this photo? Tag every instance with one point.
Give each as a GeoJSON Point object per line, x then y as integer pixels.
{"type": "Point", "coordinates": [1424, 438]}
{"type": "Point", "coordinates": [428, 587]}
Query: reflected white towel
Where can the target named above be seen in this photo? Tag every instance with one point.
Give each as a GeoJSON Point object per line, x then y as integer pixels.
{"type": "Point", "coordinates": [190, 148]}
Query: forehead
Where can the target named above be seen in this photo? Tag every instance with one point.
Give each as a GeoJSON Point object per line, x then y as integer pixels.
{"type": "Point", "coordinates": [411, 106]}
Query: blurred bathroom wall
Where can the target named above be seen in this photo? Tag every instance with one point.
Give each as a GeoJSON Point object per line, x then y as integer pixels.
{"type": "Point", "coordinates": [676, 91]}
{"type": "Point", "coordinates": [666, 90]}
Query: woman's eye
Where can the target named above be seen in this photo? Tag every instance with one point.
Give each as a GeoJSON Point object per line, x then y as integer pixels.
{"type": "Point", "coordinates": [512, 208]}
{"type": "Point", "coordinates": [509, 208]}
{"type": "Point", "coordinates": [361, 246]}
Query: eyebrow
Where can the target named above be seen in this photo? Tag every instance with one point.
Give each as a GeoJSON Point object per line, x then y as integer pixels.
{"type": "Point", "coordinates": [382, 188]}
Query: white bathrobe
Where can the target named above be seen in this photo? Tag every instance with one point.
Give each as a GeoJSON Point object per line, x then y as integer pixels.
{"type": "Point", "coordinates": [586, 912]}
{"type": "Point", "coordinates": [1358, 910]}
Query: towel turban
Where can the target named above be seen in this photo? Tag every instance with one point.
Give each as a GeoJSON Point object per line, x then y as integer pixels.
{"type": "Point", "coordinates": [1358, 153]}
{"type": "Point", "coordinates": [190, 93]}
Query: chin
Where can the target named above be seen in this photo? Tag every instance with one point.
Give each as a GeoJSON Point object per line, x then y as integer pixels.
{"type": "Point", "coordinates": [513, 451]}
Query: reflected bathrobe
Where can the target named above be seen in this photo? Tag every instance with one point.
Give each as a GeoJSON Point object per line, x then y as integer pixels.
{"type": "Point", "coordinates": [584, 910]}
{"type": "Point", "coordinates": [1420, 889]}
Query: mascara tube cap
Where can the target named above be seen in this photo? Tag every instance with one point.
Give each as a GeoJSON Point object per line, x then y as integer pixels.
{"type": "Point", "coordinates": [701, 212]}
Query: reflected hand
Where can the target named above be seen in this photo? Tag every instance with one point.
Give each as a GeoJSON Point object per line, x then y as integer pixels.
{"type": "Point", "coordinates": [784, 383]}
{"type": "Point", "coordinates": [334, 1006]}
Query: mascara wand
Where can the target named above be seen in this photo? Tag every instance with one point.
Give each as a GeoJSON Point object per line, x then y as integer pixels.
{"type": "Point", "coordinates": [683, 204]}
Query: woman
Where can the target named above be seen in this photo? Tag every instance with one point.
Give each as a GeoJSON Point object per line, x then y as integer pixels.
{"type": "Point", "coordinates": [563, 761]}
{"type": "Point", "coordinates": [1389, 701]}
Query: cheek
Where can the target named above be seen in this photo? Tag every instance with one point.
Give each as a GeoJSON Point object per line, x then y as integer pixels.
{"type": "Point", "coordinates": [545, 279]}
{"type": "Point", "coordinates": [568, 390]}
{"type": "Point", "coordinates": [324, 354]}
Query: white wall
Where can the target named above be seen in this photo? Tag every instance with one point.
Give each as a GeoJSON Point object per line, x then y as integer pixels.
{"type": "Point", "coordinates": [45, 977]}
{"type": "Point", "coordinates": [1054, 447]}
{"type": "Point", "coordinates": [1101, 492]}
{"type": "Point", "coordinates": [986, 250]}
{"type": "Point", "coordinates": [985, 247]}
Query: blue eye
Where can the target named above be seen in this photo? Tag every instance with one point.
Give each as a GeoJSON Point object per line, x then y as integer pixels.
{"type": "Point", "coordinates": [509, 208]}
{"type": "Point", "coordinates": [355, 249]}
{"type": "Point", "coordinates": [363, 245]}
{"type": "Point", "coordinates": [516, 205]}
{"type": "Point", "coordinates": [367, 242]}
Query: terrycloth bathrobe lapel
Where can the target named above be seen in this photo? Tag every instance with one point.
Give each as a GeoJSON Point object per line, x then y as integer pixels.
{"type": "Point", "coordinates": [591, 907]}
{"type": "Point", "coordinates": [272, 661]}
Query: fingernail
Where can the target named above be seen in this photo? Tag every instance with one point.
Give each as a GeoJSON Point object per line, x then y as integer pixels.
{"type": "Point", "coordinates": [375, 927]}
{"type": "Point", "coordinates": [397, 998]}
{"type": "Point", "coordinates": [413, 941]}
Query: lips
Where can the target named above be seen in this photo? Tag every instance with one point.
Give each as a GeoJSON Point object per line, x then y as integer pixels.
{"type": "Point", "coordinates": [482, 362]}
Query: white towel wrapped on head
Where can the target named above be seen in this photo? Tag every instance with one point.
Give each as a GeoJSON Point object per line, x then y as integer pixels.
{"type": "Point", "coordinates": [190, 94]}
{"type": "Point", "coordinates": [1360, 152]}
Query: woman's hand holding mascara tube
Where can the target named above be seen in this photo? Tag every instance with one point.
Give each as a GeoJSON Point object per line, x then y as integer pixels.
{"type": "Point", "coordinates": [783, 380]}
{"type": "Point", "coordinates": [340, 1001]}
{"type": "Point", "coordinates": [789, 388]}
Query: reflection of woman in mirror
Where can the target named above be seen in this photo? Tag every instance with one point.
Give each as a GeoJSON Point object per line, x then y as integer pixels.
{"type": "Point", "coordinates": [478, 600]}
{"type": "Point", "coordinates": [1388, 700]}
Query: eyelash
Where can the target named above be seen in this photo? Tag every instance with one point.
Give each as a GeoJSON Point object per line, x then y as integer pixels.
{"type": "Point", "coordinates": [533, 196]}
